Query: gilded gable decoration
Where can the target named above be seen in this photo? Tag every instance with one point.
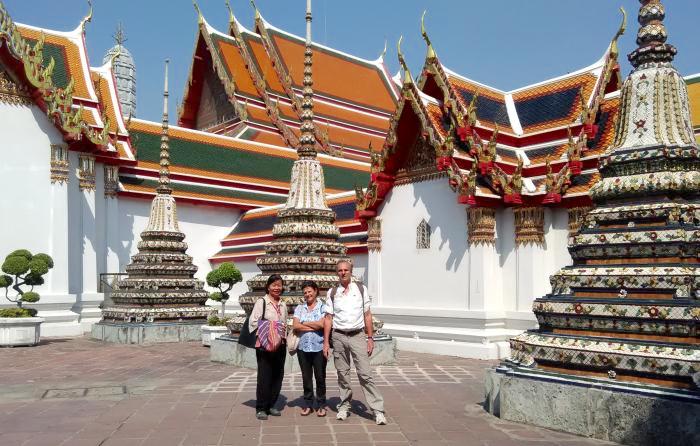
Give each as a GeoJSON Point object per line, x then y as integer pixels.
{"type": "Point", "coordinates": [86, 172]}
{"type": "Point", "coordinates": [59, 163]}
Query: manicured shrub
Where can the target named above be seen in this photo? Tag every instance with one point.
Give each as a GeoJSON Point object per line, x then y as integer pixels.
{"type": "Point", "coordinates": [224, 277]}
{"type": "Point", "coordinates": [22, 269]}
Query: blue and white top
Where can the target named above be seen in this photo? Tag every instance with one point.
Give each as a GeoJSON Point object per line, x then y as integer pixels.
{"type": "Point", "coordinates": [310, 341]}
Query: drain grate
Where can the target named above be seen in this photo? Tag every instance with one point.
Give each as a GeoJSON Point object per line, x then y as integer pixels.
{"type": "Point", "coordinates": [84, 392]}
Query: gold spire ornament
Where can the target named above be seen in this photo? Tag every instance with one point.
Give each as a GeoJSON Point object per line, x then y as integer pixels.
{"type": "Point", "coordinates": [307, 140]}
{"type": "Point", "coordinates": [164, 180]}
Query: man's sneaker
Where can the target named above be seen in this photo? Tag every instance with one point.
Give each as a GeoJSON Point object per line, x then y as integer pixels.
{"type": "Point", "coordinates": [274, 412]}
{"type": "Point", "coordinates": [379, 418]}
{"type": "Point", "coordinates": [342, 414]}
{"type": "Point", "coordinates": [261, 415]}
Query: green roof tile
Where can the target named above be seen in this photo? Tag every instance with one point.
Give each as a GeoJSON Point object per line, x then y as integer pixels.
{"type": "Point", "coordinates": [236, 162]}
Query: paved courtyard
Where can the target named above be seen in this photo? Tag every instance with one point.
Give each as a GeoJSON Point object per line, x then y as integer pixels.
{"type": "Point", "coordinates": [79, 392]}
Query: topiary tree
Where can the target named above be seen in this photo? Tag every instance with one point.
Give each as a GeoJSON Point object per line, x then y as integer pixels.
{"type": "Point", "coordinates": [21, 269]}
{"type": "Point", "coordinates": [224, 278]}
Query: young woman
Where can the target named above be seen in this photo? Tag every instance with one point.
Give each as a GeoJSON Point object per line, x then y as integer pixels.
{"type": "Point", "coordinates": [270, 364]}
{"type": "Point", "coordinates": [308, 324]}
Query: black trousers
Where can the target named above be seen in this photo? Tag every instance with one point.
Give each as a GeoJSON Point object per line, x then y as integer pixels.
{"type": "Point", "coordinates": [313, 364]}
{"type": "Point", "coordinates": [270, 375]}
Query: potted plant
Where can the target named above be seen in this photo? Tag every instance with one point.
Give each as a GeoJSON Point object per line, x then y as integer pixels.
{"type": "Point", "coordinates": [19, 325]}
{"type": "Point", "coordinates": [224, 277]}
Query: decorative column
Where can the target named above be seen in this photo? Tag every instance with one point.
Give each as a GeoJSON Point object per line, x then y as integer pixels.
{"type": "Point", "coordinates": [56, 304]}
{"type": "Point", "coordinates": [530, 250]}
{"type": "Point", "coordinates": [374, 258]}
{"type": "Point", "coordinates": [111, 221]}
{"type": "Point", "coordinates": [88, 298]}
{"type": "Point", "coordinates": [58, 277]}
{"type": "Point", "coordinates": [485, 292]}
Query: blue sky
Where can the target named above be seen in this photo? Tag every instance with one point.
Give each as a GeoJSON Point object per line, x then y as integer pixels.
{"type": "Point", "coordinates": [503, 43]}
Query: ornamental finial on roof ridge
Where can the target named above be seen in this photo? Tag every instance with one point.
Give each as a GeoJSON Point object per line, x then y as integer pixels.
{"type": "Point", "coordinates": [88, 17]}
{"type": "Point", "coordinates": [431, 51]}
{"type": "Point", "coordinates": [200, 17]}
{"type": "Point", "coordinates": [257, 11]}
{"type": "Point", "coordinates": [407, 79]}
{"type": "Point", "coordinates": [621, 30]}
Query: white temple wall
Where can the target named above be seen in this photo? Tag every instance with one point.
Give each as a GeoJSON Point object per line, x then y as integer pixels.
{"type": "Point", "coordinates": [505, 245]}
{"type": "Point", "coordinates": [435, 278]}
{"type": "Point", "coordinates": [39, 218]}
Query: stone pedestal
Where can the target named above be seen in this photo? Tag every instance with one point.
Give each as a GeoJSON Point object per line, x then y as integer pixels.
{"type": "Point", "coordinates": [227, 350]}
{"type": "Point", "coordinates": [147, 333]}
{"type": "Point", "coordinates": [627, 413]}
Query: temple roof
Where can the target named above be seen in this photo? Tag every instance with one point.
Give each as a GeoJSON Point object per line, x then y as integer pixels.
{"type": "Point", "coordinates": [261, 72]}
{"type": "Point", "coordinates": [79, 99]}
{"type": "Point", "coordinates": [216, 169]}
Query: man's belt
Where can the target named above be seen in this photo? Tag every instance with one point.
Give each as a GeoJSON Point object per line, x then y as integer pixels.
{"type": "Point", "coordinates": [348, 332]}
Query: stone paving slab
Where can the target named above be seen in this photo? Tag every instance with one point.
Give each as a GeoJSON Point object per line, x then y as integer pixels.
{"type": "Point", "coordinates": [81, 392]}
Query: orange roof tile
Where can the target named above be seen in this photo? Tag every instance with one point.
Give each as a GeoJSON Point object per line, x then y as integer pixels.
{"type": "Point", "coordinates": [336, 75]}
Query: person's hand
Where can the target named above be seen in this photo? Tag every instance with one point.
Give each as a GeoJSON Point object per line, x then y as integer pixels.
{"type": "Point", "coordinates": [326, 350]}
{"type": "Point", "coordinates": [370, 346]}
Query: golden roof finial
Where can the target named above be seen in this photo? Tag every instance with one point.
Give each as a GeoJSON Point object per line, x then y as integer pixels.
{"type": "Point", "coordinates": [613, 45]}
{"type": "Point", "coordinates": [88, 17]}
{"type": "Point", "coordinates": [407, 73]}
{"type": "Point", "coordinates": [200, 17]}
{"type": "Point", "coordinates": [431, 51]}
{"type": "Point", "coordinates": [231, 18]}
{"type": "Point", "coordinates": [257, 11]}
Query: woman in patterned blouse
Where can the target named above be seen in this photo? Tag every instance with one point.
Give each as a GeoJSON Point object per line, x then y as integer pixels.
{"type": "Point", "coordinates": [308, 324]}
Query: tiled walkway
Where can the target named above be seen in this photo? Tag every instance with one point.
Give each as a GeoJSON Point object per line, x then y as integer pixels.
{"type": "Point", "coordinates": [78, 392]}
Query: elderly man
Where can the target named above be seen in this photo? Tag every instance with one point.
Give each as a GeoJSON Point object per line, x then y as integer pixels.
{"type": "Point", "coordinates": [349, 318]}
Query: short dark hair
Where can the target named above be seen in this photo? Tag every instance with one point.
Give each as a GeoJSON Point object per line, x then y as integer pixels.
{"type": "Point", "coordinates": [273, 278]}
{"type": "Point", "coordinates": [309, 284]}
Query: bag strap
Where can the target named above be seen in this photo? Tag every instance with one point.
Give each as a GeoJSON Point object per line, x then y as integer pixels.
{"type": "Point", "coordinates": [334, 290]}
{"type": "Point", "coordinates": [264, 304]}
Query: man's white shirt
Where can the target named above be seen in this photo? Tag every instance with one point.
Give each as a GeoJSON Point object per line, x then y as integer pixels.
{"type": "Point", "coordinates": [347, 310]}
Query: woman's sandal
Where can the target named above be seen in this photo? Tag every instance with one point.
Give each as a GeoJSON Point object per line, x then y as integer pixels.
{"type": "Point", "coordinates": [305, 411]}
{"type": "Point", "coordinates": [321, 412]}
